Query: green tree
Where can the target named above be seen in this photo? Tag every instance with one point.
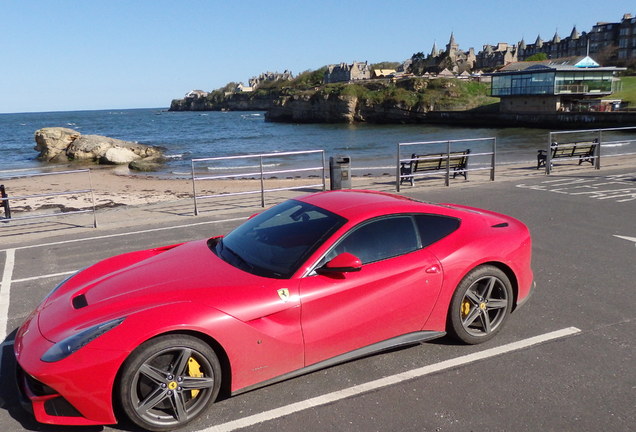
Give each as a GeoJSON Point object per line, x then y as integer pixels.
{"type": "Point", "coordinates": [537, 57]}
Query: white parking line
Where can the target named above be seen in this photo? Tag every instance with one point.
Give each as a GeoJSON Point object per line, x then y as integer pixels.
{"type": "Point", "coordinates": [390, 380]}
{"type": "Point", "coordinates": [44, 276]}
{"type": "Point", "coordinates": [5, 291]}
{"type": "Point", "coordinates": [5, 284]}
{"type": "Point", "coordinates": [124, 234]}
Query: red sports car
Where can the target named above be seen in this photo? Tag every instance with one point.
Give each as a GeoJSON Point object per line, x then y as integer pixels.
{"type": "Point", "coordinates": [154, 336]}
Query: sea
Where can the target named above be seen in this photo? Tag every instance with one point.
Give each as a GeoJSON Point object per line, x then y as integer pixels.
{"type": "Point", "coordinates": [223, 136]}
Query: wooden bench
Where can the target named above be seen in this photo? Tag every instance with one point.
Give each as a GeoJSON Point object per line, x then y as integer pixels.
{"type": "Point", "coordinates": [584, 150]}
{"type": "Point", "coordinates": [434, 162]}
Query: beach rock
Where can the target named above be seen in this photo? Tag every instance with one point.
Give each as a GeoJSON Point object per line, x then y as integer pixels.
{"type": "Point", "coordinates": [52, 143]}
{"type": "Point", "coordinates": [147, 164]}
{"type": "Point", "coordinates": [119, 156]}
{"type": "Point", "coordinates": [108, 150]}
{"type": "Point", "coordinates": [57, 144]}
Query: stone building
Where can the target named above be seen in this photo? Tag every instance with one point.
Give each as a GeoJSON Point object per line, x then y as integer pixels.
{"type": "Point", "coordinates": [196, 94]}
{"type": "Point", "coordinates": [493, 56]}
{"type": "Point", "coordinates": [609, 43]}
{"type": "Point", "coordinates": [613, 43]}
{"type": "Point", "coordinates": [255, 82]}
{"type": "Point", "coordinates": [345, 72]}
{"type": "Point", "coordinates": [453, 59]}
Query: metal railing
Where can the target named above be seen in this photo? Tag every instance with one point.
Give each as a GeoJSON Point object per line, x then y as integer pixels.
{"type": "Point", "coordinates": [447, 171]}
{"type": "Point", "coordinates": [260, 174]}
{"type": "Point", "coordinates": [594, 136]}
{"type": "Point", "coordinates": [6, 199]}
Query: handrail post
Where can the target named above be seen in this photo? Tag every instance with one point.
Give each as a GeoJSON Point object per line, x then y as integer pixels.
{"type": "Point", "coordinates": [494, 159]}
{"type": "Point", "coordinates": [324, 172]}
{"type": "Point", "coordinates": [548, 155]}
{"type": "Point", "coordinates": [90, 184]}
{"type": "Point", "coordinates": [194, 190]}
{"type": "Point", "coordinates": [260, 161]}
{"type": "Point", "coordinates": [398, 172]}
{"type": "Point", "coordinates": [448, 151]}
{"type": "Point", "coordinates": [597, 160]}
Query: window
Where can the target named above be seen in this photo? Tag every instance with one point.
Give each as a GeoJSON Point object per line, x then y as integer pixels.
{"type": "Point", "coordinates": [379, 239]}
{"type": "Point", "coordinates": [275, 243]}
{"type": "Point", "coordinates": [392, 236]}
{"type": "Point", "coordinates": [433, 227]}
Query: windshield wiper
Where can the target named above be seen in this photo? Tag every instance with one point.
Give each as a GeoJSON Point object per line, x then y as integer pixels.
{"type": "Point", "coordinates": [236, 260]}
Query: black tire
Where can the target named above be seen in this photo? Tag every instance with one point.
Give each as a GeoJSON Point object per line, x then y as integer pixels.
{"type": "Point", "coordinates": [168, 381]}
{"type": "Point", "coordinates": [480, 306]}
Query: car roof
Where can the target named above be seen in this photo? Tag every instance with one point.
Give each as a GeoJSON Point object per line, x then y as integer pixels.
{"type": "Point", "coordinates": [362, 204]}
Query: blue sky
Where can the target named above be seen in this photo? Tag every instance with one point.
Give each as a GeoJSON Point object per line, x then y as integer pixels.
{"type": "Point", "coordinates": [60, 55]}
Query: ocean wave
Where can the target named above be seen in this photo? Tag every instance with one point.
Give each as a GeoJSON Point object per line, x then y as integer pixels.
{"type": "Point", "coordinates": [251, 116]}
{"type": "Point", "coordinates": [233, 168]}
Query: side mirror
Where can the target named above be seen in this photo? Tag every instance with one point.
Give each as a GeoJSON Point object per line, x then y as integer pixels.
{"type": "Point", "coordinates": [343, 263]}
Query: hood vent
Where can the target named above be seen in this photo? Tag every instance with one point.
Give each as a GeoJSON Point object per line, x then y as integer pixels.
{"type": "Point", "coordinates": [500, 225]}
{"type": "Point", "coordinates": [80, 301]}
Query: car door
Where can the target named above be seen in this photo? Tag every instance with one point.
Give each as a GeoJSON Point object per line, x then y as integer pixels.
{"type": "Point", "coordinates": [392, 294]}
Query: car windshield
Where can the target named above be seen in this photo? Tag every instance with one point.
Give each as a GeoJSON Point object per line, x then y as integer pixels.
{"type": "Point", "coordinates": [276, 242]}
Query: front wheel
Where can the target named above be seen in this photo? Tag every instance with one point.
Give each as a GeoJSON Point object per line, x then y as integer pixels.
{"type": "Point", "coordinates": [480, 306]}
{"type": "Point", "coordinates": [168, 381]}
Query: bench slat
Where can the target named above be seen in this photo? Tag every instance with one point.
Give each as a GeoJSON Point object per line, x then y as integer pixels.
{"type": "Point", "coordinates": [457, 161]}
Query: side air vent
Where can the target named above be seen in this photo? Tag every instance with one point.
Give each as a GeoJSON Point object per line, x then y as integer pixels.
{"type": "Point", "coordinates": [500, 225]}
{"type": "Point", "coordinates": [80, 301]}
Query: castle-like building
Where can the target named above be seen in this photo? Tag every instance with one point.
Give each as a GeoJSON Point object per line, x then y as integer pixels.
{"type": "Point", "coordinates": [609, 43]}
{"type": "Point", "coordinates": [347, 72]}
{"type": "Point", "coordinates": [255, 82]}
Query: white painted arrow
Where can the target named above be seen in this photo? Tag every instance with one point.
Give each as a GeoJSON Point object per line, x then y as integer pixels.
{"type": "Point", "coordinates": [633, 239]}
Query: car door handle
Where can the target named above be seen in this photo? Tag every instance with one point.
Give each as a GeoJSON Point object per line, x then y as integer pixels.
{"type": "Point", "coordinates": [433, 269]}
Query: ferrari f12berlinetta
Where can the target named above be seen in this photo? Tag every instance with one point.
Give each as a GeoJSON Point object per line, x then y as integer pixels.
{"type": "Point", "coordinates": [153, 336]}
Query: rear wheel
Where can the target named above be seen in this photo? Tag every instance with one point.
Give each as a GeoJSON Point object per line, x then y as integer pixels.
{"type": "Point", "coordinates": [480, 306]}
{"type": "Point", "coordinates": [168, 382]}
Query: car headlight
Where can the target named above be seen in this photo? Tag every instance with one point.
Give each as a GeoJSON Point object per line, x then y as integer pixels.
{"type": "Point", "coordinates": [73, 343]}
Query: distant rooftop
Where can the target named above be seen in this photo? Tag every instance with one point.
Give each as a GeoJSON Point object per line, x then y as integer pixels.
{"type": "Point", "coordinates": [559, 64]}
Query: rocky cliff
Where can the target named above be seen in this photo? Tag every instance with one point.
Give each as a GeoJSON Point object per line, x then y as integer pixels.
{"type": "Point", "coordinates": [234, 102]}
{"type": "Point", "coordinates": [320, 108]}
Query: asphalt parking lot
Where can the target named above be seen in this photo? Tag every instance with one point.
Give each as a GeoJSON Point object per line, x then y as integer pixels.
{"type": "Point", "coordinates": [564, 362]}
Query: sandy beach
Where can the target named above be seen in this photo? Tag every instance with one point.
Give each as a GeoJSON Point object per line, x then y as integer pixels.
{"type": "Point", "coordinates": [116, 186]}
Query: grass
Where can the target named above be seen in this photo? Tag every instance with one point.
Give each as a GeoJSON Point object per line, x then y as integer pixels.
{"type": "Point", "coordinates": [628, 93]}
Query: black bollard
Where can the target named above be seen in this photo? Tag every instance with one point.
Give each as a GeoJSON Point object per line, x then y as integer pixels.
{"type": "Point", "coordinates": [5, 203]}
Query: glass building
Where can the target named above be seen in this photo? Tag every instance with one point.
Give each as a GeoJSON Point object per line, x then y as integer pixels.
{"type": "Point", "coordinates": [553, 85]}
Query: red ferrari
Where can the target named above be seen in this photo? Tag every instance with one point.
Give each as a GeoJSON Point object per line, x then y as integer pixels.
{"type": "Point", "coordinates": [154, 336]}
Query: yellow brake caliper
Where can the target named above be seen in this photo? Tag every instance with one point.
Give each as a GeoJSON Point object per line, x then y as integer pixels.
{"type": "Point", "coordinates": [465, 308]}
{"type": "Point", "coordinates": [194, 370]}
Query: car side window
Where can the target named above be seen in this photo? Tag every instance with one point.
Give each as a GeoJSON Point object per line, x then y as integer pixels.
{"type": "Point", "coordinates": [434, 227]}
{"type": "Point", "coordinates": [380, 239]}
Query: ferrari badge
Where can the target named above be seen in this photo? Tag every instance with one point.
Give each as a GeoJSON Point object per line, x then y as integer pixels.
{"type": "Point", "coordinates": [283, 293]}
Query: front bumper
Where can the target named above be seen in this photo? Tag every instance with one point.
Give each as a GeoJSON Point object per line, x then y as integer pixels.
{"type": "Point", "coordinates": [46, 405]}
{"type": "Point", "coordinates": [74, 391]}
